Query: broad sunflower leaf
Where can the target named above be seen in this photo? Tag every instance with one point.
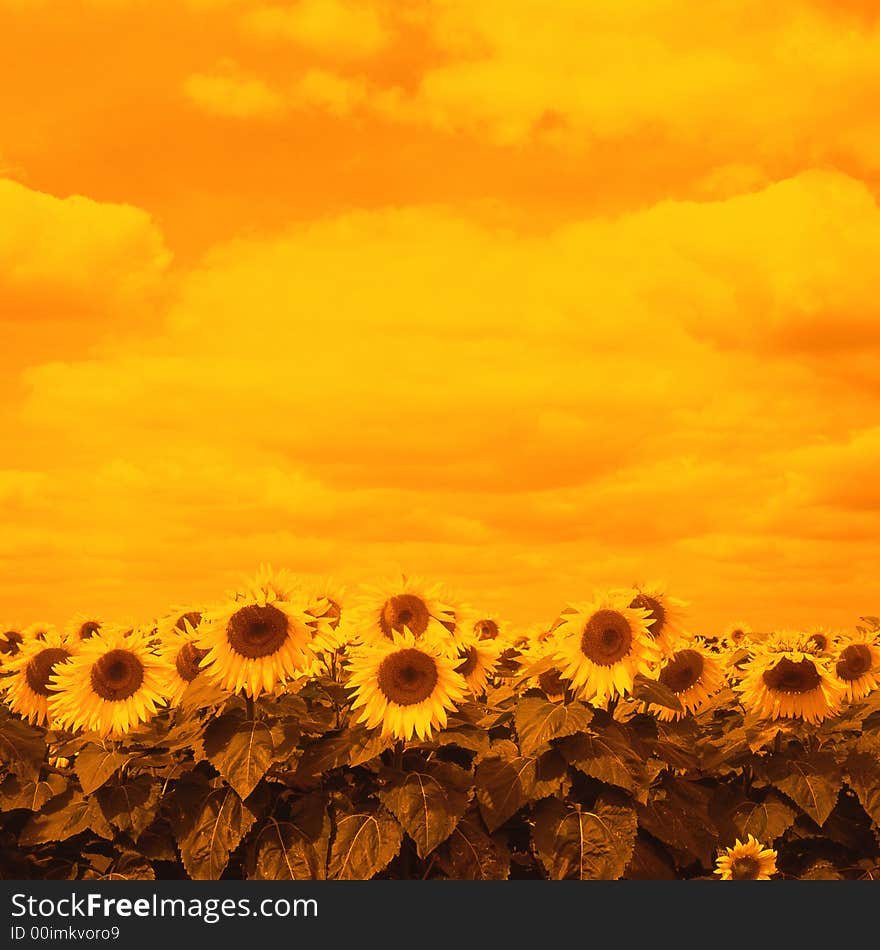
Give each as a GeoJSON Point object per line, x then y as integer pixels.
{"type": "Point", "coordinates": [470, 854]}
{"type": "Point", "coordinates": [428, 803]}
{"type": "Point", "coordinates": [354, 746]}
{"type": "Point", "coordinates": [503, 787]}
{"type": "Point", "coordinates": [365, 844]}
{"type": "Point", "coordinates": [594, 845]}
{"type": "Point", "coordinates": [608, 757]}
{"type": "Point", "coordinates": [131, 806]}
{"type": "Point", "coordinates": [653, 691]}
{"type": "Point", "coordinates": [22, 748]}
{"type": "Point", "coordinates": [766, 820]}
{"type": "Point", "coordinates": [862, 771]}
{"type": "Point", "coordinates": [240, 749]}
{"type": "Point", "coordinates": [95, 764]}
{"type": "Point", "coordinates": [677, 813]}
{"type": "Point", "coordinates": [538, 721]}
{"type": "Point", "coordinates": [31, 795]}
{"type": "Point", "coordinates": [811, 780]}
{"type": "Point", "coordinates": [63, 817]}
{"type": "Point", "coordinates": [209, 825]}
{"type": "Point", "coordinates": [284, 852]}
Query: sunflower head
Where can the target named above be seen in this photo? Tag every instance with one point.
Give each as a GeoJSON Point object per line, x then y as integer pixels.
{"type": "Point", "coordinates": [10, 643]}
{"type": "Point", "coordinates": [603, 646]}
{"type": "Point", "coordinates": [693, 675]}
{"type": "Point", "coordinates": [665, 615]}
{"type": "Point", "coordinates": [112, 684]}
{"type": "Point", "coordinates": [746, 861]}
{"type": "Point", "coordinates": [782, 680]}
{"type": "Point", "coordinates": [27, 687]}
{"type": "Point", "coordinates": [183, 658]}
{"type": "Point", "coordinates": [406, 686]}
{"type": "Point", "coordinates": [737, 635]}
{"type": "Point", "coordinates": [857, 665]}
{"type": "Point", "coordinates": [479, 659]}
{"type": "Point", "coordinates": [40, 631]}
{"type": "Point", "coordinates": [83, 626]}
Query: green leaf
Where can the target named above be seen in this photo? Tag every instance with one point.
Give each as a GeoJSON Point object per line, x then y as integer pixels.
{"type": "Point", "coordinates": [31, 795]}
{"type": "Point", "coordinates": [766, 820]}
{"type": "Point", "coordinates": [428, 803]}
{"type": "Point", "coordinates": [593, 845]}
{"type": "Point", "coordinates": [365, 843]}
{"type": "Point", "coordinates": [677, 813]}
{"type": "Point", "coordinates": [95, 764]}
{"type": "Point", "coordinates": [538, 721]}
{"type": "Point", "coordinates": [811, 780]}
{"type": "Point", "coordinates": [63, 817]}
{"type": "Point", "coordinates": [354, 746]}
{"type": "Point", "coordinates": [653, 691]}
{"type": "Point", "coordinates": [130, 866]}
{"type": "Point", "coordinates": [503, 787]}
{"type": "Point", "coordinates": [240, 749]}
{"type": "Point", "coordinates": [607, 756]}
{"type": "Point", "coordinates": [22, 749]}
{"type": "Point", "coordinates": [465, 736]}
{"type": "Point", "coordinates": [470, 854]}
{"type": "Point", "coordinates": [209, 824]}
{"type": "Point", "coordinates": [288, 851]}
{"type": "Point", "coordinates": [131, 806]}
{"type": "Point", "coordinates": [862, 770]}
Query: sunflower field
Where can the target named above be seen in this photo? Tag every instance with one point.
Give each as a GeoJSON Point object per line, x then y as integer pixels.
{"type": "Point", "coordinates": [291, 733]}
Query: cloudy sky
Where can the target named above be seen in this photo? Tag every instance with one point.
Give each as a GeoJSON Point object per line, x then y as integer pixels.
{"type": "Point", "coordinates": [527, 297]}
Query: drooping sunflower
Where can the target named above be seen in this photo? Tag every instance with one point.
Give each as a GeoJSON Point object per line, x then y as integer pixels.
{"type": "Point", "coordinates": [747, 860]}
{"type": "Point", "coordinates": [665, 615]}
{"type": "Point", "coordinates": [83, 626]}
{"type": "Point", "coordinates": [602, 646]}
{"type": "Point", "coordinates": [326, 608]}
{"type": "Point", "coordinates": [27, 686]}
{"type": "Point", "coordinates": [178, 648]}
{"type": "Point", "coordinates": [782, 680]}
{"type": "Point", "coordinates": [478, 661]}
{"type": "Point", "coordinates": [407, 686]}
{"type": "Point", "coordinates": [10, 643]}
{"type": "Point", "coordinates": [858, 665]}
{"type": "Point", "coordinates": [259, 640]}
{"type": "Point", "coordinates": [693, 675]}
{"type": "Point", "coordinates": [409, 605]}
{"type": "Point", "coordinates": [112, 684]}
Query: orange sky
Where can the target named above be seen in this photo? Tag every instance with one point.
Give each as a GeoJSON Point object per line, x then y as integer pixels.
{"type": "Point", "coordinates": [529, 297]}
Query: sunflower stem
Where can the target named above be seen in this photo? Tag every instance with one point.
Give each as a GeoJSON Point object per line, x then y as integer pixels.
{"type": "Point", "coordinates": [249, 706]}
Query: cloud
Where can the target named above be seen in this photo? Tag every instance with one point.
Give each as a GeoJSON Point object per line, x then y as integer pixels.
{"type": "Point", "coordinates": [233, 96]}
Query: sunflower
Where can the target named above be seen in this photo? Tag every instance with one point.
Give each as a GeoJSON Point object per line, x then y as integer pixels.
{"type": "Point", "coordinates": [492, 627]}
{"type": "Point", "coordinates": [478, 662]}
{"type": "Point", "coordinates": [111, 685]}
{"type": "Point", "coordinates": [327, 618]}
{"type": "Point", "coordinates": [259, 640]}
{"type": "Point", "coordinates": [737, 635]}
{"type": "Point", "coordinates": [413, 606]}
{"type": "Point", "coordinates": [407, 685]}
{"type": "Point", "coordinates": [665, 615]}
{"type": "Point", "coordinates": [83, 626]}
{"type": "Point", "coordinates": [183, 658]}
{"type": "Point", "coordinates": [27, 686]}
{"type": "Point", "coordinates": [602, 646]}
{"type": "Point", "coordinates": [782, 680]}
{"type": "Point", "coordinates": [858, 665]}
{"type": "Point", "coordinates": [39, 631]}
{"type": "Point", "coordinates": [746, 861]}
{"type": "Point", "coordinates": [10, 644]}
{"type": "Point", "coordinates": [694, 676]}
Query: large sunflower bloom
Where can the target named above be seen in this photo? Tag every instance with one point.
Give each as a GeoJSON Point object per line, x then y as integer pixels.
{"type": "Point", "coordinates": [111, 685]}
{"type": "Point", "coordinates": [603, 646]}
{"type": "Point", "coordinates": [409, 606]}
{"type": "Point", "coordinates": [693, 675]}
{"type": "Point", "coordinates": [746, 861]}
{"type": "Point", "coordinates": [407, 686]}
{"type": "Point", "coordinates": [258, 641]}
{"type": "Point", "coordinates": [782, 680]}
{"type": "Point", "coordinates": [665, 615]}
{"type": "Point", "coordinates": [178, 648]}
{"type": "Point", "coordinates": [27, 686]}
{"type": "Point", "coordinates": [83, 626]}
{"type": "Point", "coordinates": [858, 665]}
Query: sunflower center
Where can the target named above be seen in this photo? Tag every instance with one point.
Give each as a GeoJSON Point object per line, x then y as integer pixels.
{"type": "Point", "coordinates": [9, 642]}
{"type": "Point", "coordinates": [38, 671]}
{"type": "Point", "coordinates": [404, 610]}
{"type": "Point", "coordinates": [656, 613]}
{"type": "Point", "coordinates": [407, 677]}
{"type": "Point", "coordinates": [790, 677]}
{"type": "Point", "coordinates": [486, 629]}
{"type": "Point", "coordinates": [189, 656]}
{"type": "Point", "coordinates": [117, 675]}
{"type": "Point", "coordinates": [819, 641]}
{"type": "Point", "coordinates": [745, 868]}
{"type": "Point", "coordinates": [88, 629]}
{"type": "Point", "coordinates": [607, 638]}
{"type": "Point", "coordinates": [192, 617]}
{"type": "Point", "coordinates": [737, 636]}
{"type": "Point", "coordinates": [683, 671]}
{"type": "Point", "coordinates": [854, 662]}
{"type": "Point", "coordinates": [469, 661]}
{"type": "Point", "coordinates": [256, 631]}
{"type": "Point", "coordinates": [551, 682]}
